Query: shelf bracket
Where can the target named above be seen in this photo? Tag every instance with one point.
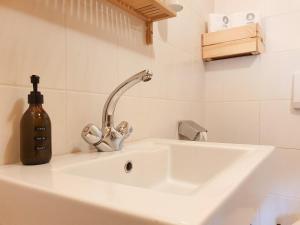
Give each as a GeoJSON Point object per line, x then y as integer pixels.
{"type": "Point", "coordinates": [149, 33]}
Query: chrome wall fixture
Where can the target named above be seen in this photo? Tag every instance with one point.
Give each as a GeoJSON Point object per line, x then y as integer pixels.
{"type": "Point", "coordinates": [190, 130]}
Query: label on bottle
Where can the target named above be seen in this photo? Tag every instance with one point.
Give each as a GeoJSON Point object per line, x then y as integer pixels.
{"type": "Point", "coordinates": [40, 148]}
{"type": "Point", "coordinates": [40, 128]}
{"type": "Point", "coordinates": [40, 138]}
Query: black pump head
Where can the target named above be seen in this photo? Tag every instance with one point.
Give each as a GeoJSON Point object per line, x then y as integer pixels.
{"type": "Point", "coordinates": [35, 97]}
{"type": "Point", "coordinates": [35, 80]}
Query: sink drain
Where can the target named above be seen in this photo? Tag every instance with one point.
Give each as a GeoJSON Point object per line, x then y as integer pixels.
{"type": "Point", "coordinates": [128, 167]}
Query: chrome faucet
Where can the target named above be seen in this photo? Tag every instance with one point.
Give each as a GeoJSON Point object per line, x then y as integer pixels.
{"type": "Point", "coordinates": [110, 138]}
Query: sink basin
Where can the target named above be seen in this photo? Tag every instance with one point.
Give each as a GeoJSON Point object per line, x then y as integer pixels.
{"type": "Point", "coordinates": [176, 168]}
{"type": "Point", "coordinates": [150, 182]}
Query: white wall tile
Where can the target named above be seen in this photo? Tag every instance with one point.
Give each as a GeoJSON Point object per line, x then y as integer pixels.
{"type": "Point", "coordinates": [189, 38]}
{"type": "Point", "coordinates": [231, 6]}
{"type": "Point", "coordinates": [82, 108]}
{"type": "Point", "coordinates": [276, 7]}
{"type": "Point", "coordinates": [241, 80]}
{"type": "Point", "coordinates": [233, 122]}
{"type": "Point", "coordinates": [202, 7]}
{"type": "Point", "coordinates": [256, 78]}
{"type": "Point", "coordinates": [295, 5]}
{"type": "Point", "coordinates": [55, 105]}
{"type": "Point", "coordinates": [131, 61]}
{"type": "Point", "coordinates": [281, 32]}
{"type": "Point", "coordinates": [233, 79]}
{"type": "Point", "coordinates": [280, 124]}
{"type": "Point", "coordinates": [186, 82]}
{"type": "Point", "coordinates": [277, 70]}
{"type": "Point", "coordinates": [273, 8]}
{"type": "Point", "coordinates": [91, 48]}
{"type": "Point", "coordinates": [163, 69]}
{"type": "Point", "coordinates": [246, 114]}
{"type": "Point", "coordinates": [214, 85]}
{"type": "Point", "coordinates": [30, 44]}
{"type": "Point", "coordinates": [214, 122]}
{"type": "Point", "coordinates": [156, 118]}
{"type": "Point", "coordinates": [13, 102]}
{"type": "Point", "coordinates": [91, 63]}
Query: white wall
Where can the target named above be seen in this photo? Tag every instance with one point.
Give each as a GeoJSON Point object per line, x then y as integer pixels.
{"type": "Point", "coordinates": [248, 101]}
{"type": "Point", "coordinates": [82, 49]}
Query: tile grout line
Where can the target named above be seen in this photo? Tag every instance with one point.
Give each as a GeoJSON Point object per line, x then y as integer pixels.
{"type": "Point", "coordinates": [104, 94]}
{"type": "Point", "coordinates": [248, 100]}
{"type": "Point", "coordinates": [66, 81]}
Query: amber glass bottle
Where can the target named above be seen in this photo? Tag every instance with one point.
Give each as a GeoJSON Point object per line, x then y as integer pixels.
{"type": "Point", "coordinates": [35, 133]}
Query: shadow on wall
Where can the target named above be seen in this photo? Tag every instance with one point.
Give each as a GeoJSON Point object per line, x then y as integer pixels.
{"type": "Point", "coordinates": [231, 64]}
{"type": "Point", "coordinates": [163, 29]}
{"type": "Point", "coordinates": [12, 149]}
{"type": "Point", "coordinates": [97, 18]}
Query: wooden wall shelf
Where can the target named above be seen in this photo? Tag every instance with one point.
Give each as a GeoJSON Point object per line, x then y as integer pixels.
{"type": "Point", "coordinates": [234, 42]}
{"type": "Point", "coordinates": [148, 11]}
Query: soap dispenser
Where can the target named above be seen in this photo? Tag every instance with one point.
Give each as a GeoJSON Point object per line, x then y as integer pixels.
{"type": "Point", "coordinates": [35, 133]}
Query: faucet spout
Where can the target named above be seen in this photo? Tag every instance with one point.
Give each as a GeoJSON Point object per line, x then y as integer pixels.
{"type": "Point", "coordinates": [111, 102]}
{"type": "Point", "coordinates": [109, 137]}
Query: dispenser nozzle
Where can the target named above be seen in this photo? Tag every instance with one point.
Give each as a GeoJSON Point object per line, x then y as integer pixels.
{"type": "Point", "coordinates": [35, 80]}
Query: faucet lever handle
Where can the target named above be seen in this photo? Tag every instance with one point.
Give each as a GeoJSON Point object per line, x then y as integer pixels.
{"type": "Point", "coordinates": [124, 129]}
{"type": "Point", "coordinates": [91, 134]}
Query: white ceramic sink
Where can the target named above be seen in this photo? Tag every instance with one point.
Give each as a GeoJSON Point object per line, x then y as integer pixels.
{"type": "Point", "coordinates": [153, 181]}
{"type": "Point", "coordinates": [175, 168]}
